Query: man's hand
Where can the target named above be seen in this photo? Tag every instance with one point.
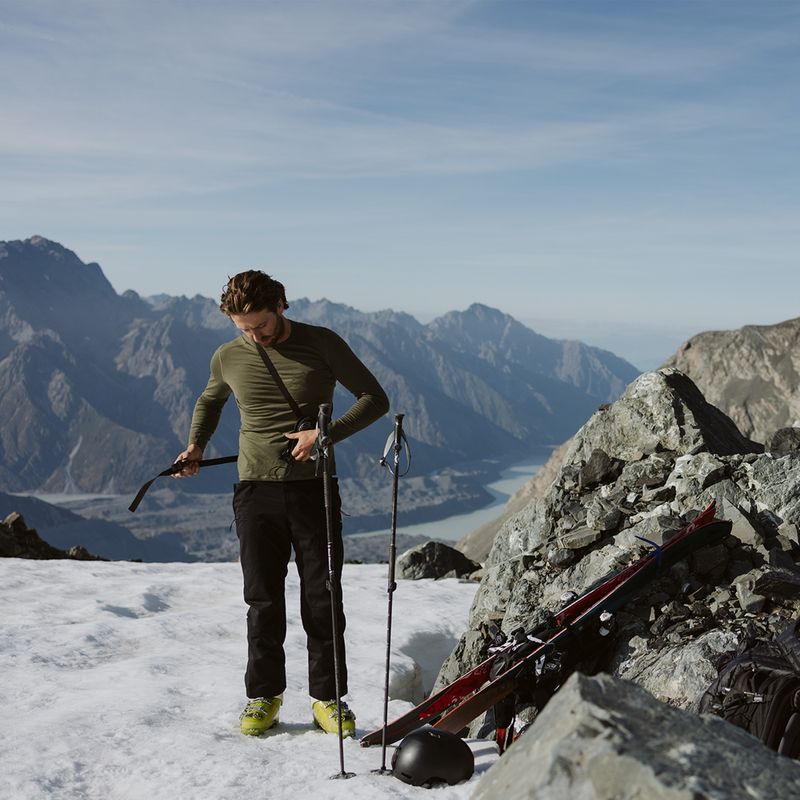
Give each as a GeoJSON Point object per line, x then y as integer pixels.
{"type": "Point", "coordinates": [304, 443]}
{"type": "Point", "coordinates": [191, 453]}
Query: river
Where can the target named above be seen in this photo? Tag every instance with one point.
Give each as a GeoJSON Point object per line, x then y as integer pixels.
{"type": "Point", "coordinates": [453, 528]}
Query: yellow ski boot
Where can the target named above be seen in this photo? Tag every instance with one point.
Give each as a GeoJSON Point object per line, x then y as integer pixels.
{"type": "Point", "coordinates": [325, 717]}
{"type": "Point", "coordinates": [259, 715]}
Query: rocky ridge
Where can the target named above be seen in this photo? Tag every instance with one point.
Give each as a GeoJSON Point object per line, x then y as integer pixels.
{"type": "Point", "coordinates": [17, 540]}
{"type": "Point", "coordinates": [63, 529]}
{"type": "Point", "coordinates": [645, 466]}
{"type": "Point", "coordinates": [751, 374]}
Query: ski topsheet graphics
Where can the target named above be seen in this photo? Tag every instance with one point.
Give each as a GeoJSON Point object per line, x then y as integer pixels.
{"type": "Point", "coordinates": [457, 704]}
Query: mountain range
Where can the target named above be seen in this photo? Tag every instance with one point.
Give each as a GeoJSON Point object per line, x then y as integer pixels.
{"type": "Point", "coordinates": [97, 388]}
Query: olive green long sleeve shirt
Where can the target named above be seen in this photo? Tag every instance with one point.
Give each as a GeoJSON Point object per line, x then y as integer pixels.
{"type": "Point", "coordinates": [310, 362]}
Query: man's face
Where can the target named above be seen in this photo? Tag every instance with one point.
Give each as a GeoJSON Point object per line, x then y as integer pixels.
{"type": "Point", "coordinates": [262, 327]}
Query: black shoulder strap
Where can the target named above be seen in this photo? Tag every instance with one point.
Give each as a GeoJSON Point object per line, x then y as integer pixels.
{"type": "Point", "coordinates": [281, 385]}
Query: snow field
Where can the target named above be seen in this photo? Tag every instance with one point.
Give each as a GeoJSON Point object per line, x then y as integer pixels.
{"type": "Point", "coordinates": [123, 680]}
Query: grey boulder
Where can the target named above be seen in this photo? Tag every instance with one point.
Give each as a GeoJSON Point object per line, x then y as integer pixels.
{"type": "Point", "coordinates": [603, 738]}
{"type": "Point", "coordinates": [434, 560]}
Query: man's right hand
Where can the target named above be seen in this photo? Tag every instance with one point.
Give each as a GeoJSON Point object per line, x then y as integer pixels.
{"type": "Point", "coordinates": [191, 453]}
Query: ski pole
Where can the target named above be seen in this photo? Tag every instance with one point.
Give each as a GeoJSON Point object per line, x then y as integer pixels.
{"type": "Point", "coordinates": [396, 439]}
{"type": "Point", "coordinates": [325, 447]}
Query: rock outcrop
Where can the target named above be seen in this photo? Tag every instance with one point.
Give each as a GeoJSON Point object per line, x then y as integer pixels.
{"type": "Point", "coordinates": [603, 738]}
{"type": "Point", "coordinates": [645, 466]}
{"type": "Point", "coordinates": [750, 374]}
{"type": "Point", "coordinates": [17, 540]}
{"type": "Point", "coordinates": [434, 560]}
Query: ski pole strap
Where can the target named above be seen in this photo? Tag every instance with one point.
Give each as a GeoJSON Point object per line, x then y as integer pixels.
{"type": "Point", "coordinates": [175, 468]}
{"type": "Point", "coordinates": [392, 443]}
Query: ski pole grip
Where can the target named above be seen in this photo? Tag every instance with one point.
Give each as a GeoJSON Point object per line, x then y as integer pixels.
{"type": "Point", "coordinates": [398, 435]}
{"type": "Point", "coordinates": [323, 421]}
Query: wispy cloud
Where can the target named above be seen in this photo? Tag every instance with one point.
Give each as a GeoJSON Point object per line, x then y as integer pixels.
{"type": "Point", "coordinates": [537, 139]}
{"type": "Point", "coordinates": [278, 89]}
{"type": "Point", "coordinates": [305, 139]}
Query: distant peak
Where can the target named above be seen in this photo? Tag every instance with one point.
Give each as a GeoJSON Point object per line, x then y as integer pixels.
{"type": "Point", "coordinates": [482, 310]}
{"type": "Point", "coordinates": [28, 261]}
{"type": "Point", "coordinates": [43, 243]}
{"type": "Point", "coordinates": [477, 313]}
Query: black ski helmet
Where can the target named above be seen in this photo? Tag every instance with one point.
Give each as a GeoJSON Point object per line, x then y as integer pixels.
{"type": "Point", "coordinates": [428, 756]}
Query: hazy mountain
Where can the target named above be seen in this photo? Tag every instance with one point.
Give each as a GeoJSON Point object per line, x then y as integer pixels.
{"type": "Point", "coordinates": [476, 383]}
{"type": "Point", "coordinates": [750, 373]}
{"type": "Point", "coordinates": [97, 388]}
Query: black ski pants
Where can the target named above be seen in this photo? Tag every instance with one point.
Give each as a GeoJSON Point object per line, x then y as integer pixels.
{"type": "Point", "coordinates": [272, 517]}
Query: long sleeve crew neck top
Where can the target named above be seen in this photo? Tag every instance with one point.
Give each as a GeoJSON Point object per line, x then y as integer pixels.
{"type": "Point", "coordinates": [310, 362]}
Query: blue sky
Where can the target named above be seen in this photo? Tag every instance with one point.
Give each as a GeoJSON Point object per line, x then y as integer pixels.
{"type": "Point", "coordinates": [621, 172]}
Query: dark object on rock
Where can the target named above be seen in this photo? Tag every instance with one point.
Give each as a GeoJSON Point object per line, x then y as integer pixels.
{"type": "Point", "coordinates": [427, 757]}
{"type": "Point", "coordinates": [759, 691]}
{"type": "Point", "coordinates": [17, 540]}
{"type": "Point", "coordinates": [784, 440]}
{"type": "Point", "coordinates": [720, 436]}
{"type": "Point", "coordinates": [434, 560]}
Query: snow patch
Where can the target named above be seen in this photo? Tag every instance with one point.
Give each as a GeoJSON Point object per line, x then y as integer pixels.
{"type": "Point", "coordinates": [124, 680]}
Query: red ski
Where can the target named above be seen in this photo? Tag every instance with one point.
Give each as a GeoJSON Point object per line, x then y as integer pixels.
{"type": "Point", "coordinates": [608, 595]}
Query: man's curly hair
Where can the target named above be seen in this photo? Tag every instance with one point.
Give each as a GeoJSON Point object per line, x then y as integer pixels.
{"type": "Point", "coordinates": [250, 291]}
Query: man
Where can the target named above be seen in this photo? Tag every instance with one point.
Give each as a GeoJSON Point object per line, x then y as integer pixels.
{"type": "Point", "coordinates": [279, 502]}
